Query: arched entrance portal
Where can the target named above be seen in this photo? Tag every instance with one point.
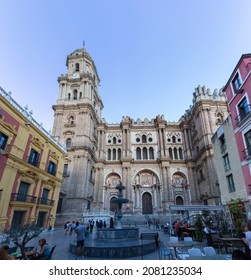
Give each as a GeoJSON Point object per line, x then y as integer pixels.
{"type": "Point", "coordinates": [179, 201]}
{"type": "Point", "coordinates": [147, 206]}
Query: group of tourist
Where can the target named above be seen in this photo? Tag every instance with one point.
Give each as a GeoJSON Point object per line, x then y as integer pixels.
{"type": "Point", "coordinates": [182, 229]}
{"type": "Point", "coordinates": [245, 236]}
{"type": "Point", "coordinates": [36, 254]}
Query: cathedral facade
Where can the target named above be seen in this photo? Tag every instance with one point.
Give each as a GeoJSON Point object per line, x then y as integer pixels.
{"type": "Point", "coordinates": [160, 163]}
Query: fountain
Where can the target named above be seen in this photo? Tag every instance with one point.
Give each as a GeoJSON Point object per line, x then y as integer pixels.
{"type": "Point", "coordinates": [119, 242]}
{"type": "Point", "coordinates": [118, 233]}
{"type": "Point", "coordinates": [119, 201]}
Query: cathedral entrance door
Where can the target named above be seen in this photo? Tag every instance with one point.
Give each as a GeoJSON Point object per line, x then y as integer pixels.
{"type": "Point", "coordinates": [147, 206]}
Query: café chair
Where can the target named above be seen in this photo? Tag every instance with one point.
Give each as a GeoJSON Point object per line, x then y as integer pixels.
{"type": "Point", "coordinates": [194, 252]}
{"type": "Point", "coordinates": [173, 239]}
{"type": "Point", "coordinates": [209, 251]}
{"type": "Point", "coordinates": [165, 251]}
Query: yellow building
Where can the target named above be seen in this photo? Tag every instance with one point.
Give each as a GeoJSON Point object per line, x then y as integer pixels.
{"type": "Point", "coordinates": [31, 168]}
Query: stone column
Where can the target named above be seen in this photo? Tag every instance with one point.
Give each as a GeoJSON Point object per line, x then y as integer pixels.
{"type": "Point", "coordinates": [98, 188]}
{"type": "Point", "coordinates": [155, 196]}
{"type": "Point", "coordinates": [123, 143]}
{"type": "Point", "coordinates": [161, 142]}
{"type": "Point", "coordinates": [138, 198]}
{"type": "Point", "coordinates": [164, 187]}
{"type": "Point", "coordinates": [186, 144]}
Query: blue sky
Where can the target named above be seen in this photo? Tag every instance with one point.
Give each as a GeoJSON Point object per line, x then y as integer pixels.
{"type": "Point", "coordinates": [150, 54]}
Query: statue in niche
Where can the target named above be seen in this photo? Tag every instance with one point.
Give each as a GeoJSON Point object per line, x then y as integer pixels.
{"type": "Point", "coordinates": [137, 180]}
{"type": "Point", "coordinates": [154, 180]}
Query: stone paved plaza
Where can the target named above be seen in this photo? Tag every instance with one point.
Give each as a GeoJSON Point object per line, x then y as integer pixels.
{"type": "Point", "coordinates": [62, 242]}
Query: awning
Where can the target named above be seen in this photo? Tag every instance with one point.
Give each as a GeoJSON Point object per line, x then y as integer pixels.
{"type": "Point", "coordinates": [196, 208]}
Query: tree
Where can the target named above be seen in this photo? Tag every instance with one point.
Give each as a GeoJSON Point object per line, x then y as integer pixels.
{"type": "Point", "coordinates": [238, 213]}
{"type": "Point", "coordinates": [20, 236]}
{"type": "Point", "coordinates": [198, 225]}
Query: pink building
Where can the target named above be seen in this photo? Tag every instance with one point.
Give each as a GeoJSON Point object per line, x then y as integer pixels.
{"type": "Point", "coordinates": [238, 92]}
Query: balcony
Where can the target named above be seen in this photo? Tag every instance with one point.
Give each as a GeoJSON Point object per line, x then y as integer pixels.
{"type": "Point", "coordinates": [78, 145]}
{"type": "Point", "coordinates": [66, 174]}
{"type": "Point", "coordinates": [244, 115]}
{"type": "Point", "coordinates": [45, 201]}
{"type": "Point", "coordinates": [23, 198]}
{"type": "Point", "coordinates": [247, 153]}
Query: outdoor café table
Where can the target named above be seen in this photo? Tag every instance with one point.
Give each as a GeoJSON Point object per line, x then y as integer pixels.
{"type": "Point", "coordinates": [229, 242]}
{"type": "Point", "coordinates": [178, 244]}
{"type": "Point", "coordinates": [216, 257]}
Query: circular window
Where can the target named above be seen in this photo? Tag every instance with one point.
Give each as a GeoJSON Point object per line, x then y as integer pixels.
{"type": "Point", "coordinates": [119, 141]}
{"type": "Point", "coordinates": [138, 139]}
{"type": "Point", "coordinates": [179, 140]}
{"type": "Point", "coordinates": [168, 140]}
{"type": "Point", "coordinates": [109, 141]}
{"type": "Point", "coordinates": [150, 139]}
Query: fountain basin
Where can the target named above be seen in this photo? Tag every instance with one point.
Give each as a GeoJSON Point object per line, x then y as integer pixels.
{"type": "Point", "coordinates": [117, 235]}
{"type": "Point", "coordinates": [115, 250]}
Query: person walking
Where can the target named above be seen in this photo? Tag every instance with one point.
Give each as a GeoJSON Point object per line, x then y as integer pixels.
{"type": "Point", "coordinates": [80, 232]}
{"type": "Point", "coordinates": [248, 237]}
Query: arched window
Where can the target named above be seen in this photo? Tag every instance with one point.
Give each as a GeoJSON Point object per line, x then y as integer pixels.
{"type": "Point", "coordinates": [151, 153]}
{"type": "Point", "coordinates": [143, 139]}
{"type": "Point", "coordinates": [69, 96]}
{"type": "Point", "coordinates": [174, 139]}
{"type": "Point", "coordinates": [80, 95]}
{"type": "Point", "coordinates": [144, 153]}
{"type": "Point", "coordinates": [114, 154]}
{"type": "Point", "coordinates": [75, 94]}
{"type": "Point", "coordinates": [68, 143]}
{"type": "Point", "coordinates": [114, 140]}
{"type": "Point", "coordinates": [170, 153]}
{"type": "Point", "coordinates": [180, 153]}
{"type": "Point", "coordinates": [109, 157]}
{"type": "Point", "coordinates": [77, 67]}
{"type": "Point", "coordinates": [175, 153]}
{"type": "Point", "coordinates": [119, 154]}
{"type": "Point", "coordinates": [138, 153]}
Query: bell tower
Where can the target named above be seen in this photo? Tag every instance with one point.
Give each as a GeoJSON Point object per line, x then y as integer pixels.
{"type": "Point", "coordinates": [76, 115]}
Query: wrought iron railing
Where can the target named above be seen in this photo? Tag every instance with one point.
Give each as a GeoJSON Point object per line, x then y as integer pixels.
{"type": "Point", "coordinates": [66, 174]}
{"type": "Point", "coordinates": [45, 201]}
{"type": "Point", "coordinates": [23, 198]}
